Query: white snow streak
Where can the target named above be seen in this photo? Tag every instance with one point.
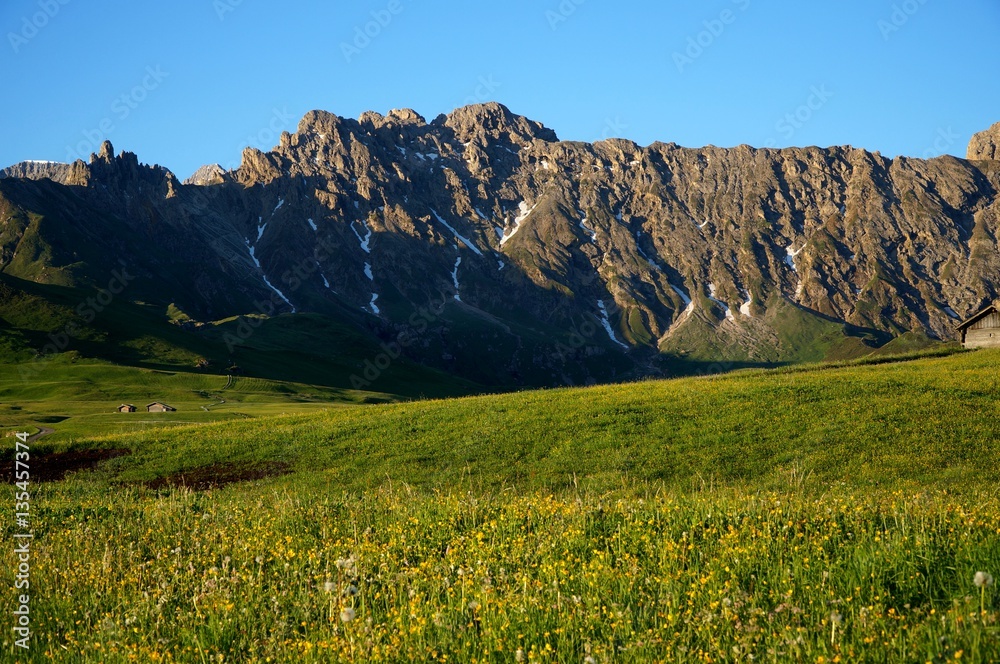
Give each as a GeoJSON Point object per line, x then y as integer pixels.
{"type": "Point", "coordinates": [711, 296]}
{"type": "Point", "coordinates": [253, 257]}
{"type": "Point", "coordinates": [312, 224]}
{"type": "Point", "coordinates": [656, 266]}
{"type": "Point", "coordinates": [374, 307]}
{"type": "Point", "coordinates": [281, 201]}
{"type": "Point", "coordinates": [365, 246]}
{"type": "Point", "coordinates": [368, 272]}
{"type": "Point", "coordinates": [454, 277]}
{"type": "Point", "coordinates": [745, 307]}
{"type": "Point", "coordinates": [790, 257]}
{"type": "Point", "coordinates": [587, 229]}
{"type": "Point", "coordinates": [525, 212]}
{"type": "Point", "coordinates": [951, 312]}
{"type": "Point", "coordinates": [466, 242]}
{"type": "Point", "coordinates": [607, 324]}
{"type": "Point", "coordinates": [683, 295]}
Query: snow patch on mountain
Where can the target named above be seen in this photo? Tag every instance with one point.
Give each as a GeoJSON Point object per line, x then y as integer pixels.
{"type": "Point", "coordinates": [458, 236]}
{"type": "Point", "coordinates": [454, 277]}
{"type": "Point", "coordinates": [366, 240]}
{"type": "Point", "coordinates": [518, 220]}
{"type": "Point", "coordinates": [607, 324]}
{"type": "Point", "coordinates": [725, 307]}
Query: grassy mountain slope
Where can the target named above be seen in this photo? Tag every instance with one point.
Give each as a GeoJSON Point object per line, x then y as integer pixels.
{"type": "Point", "coordinates": [930, 422]}
{"type": "Point", "coordinates": [308, 348]}
{"type": "Point", "coordinates": [840, 513]}
{"type": "Point", "coordinates": [78, 397]}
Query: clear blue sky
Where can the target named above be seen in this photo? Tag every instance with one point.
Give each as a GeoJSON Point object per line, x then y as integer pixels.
{"type": "Point", "coordinates": [188, 82]}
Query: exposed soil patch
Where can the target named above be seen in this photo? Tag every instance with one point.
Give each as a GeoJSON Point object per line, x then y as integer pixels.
{"type": "Point", "coordinates": [54, 466]}
{"type": "Point", "coordinates": [220, 474]}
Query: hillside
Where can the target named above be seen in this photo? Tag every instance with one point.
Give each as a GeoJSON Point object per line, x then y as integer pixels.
{"type": "Point", "coordinates": [838, 513]}
{"type": "Point", "coordinates": [925, 423]}
{"type": "Point", "coordinates": [506, 257]}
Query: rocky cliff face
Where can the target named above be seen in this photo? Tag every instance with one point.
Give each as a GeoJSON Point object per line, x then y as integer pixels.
{"type": "Point", "coordinates": [985, 145]}
{"type": "Point", "coordinates": [551, 255]}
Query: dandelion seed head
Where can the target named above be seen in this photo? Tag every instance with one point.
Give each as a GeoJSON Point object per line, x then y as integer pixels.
{"type": "Point", "coordinates": [347, 615]}
{"type": "Point", "coordinates": [983, 579]}
{"type": "Point", "coordinates": [329, 586]}
{"type": "Point", "coordinates": [836, 618]}
{"type": "Point", "coordinates": [519, 655]}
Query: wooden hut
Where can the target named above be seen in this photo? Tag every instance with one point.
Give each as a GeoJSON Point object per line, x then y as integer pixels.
{"type": "Point", "coordinates": [982, 329]}
{"type": "Point", "coordinates": [126, 408]}
{"type": "Point", "coordinates": [159, 407]}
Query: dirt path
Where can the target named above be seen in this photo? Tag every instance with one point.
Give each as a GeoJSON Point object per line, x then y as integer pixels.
{"type": "Point", "coordinates": [42, 431]}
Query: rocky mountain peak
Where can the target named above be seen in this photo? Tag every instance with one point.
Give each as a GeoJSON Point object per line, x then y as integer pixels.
{"type": "Point", "coordinates": [494, 121]}
{"type": "Point", "coordinates": [985, 145]}
{"type": "Point", "coordinates": [701, 253]}
{"type": "Point", "coordinates": [105, 154]}
{"type": "Point", "coordinates": [38, 170]}
{"type": "Point", "coordinates": [207, 175]}
{"type": "Point", "coordinates": [406, 116]}
{"type": "Point", "coordinates": [318, 122]}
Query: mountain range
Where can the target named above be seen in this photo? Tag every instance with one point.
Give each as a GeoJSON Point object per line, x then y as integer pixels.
{"type": "Point", "coordinates": [479, 247]}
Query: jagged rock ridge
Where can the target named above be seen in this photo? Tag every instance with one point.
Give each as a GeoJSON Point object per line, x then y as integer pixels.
{"type": "Point", "coordinates": [581, 249]}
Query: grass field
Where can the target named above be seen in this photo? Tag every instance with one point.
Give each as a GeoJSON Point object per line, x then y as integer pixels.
{"type": "Point", "coordinates": [78, 397]}
{"type": "Point", "coordinates": [828, 514]}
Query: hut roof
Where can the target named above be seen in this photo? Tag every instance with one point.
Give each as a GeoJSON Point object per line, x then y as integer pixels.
{"type": "Point", "coordinates": [979, 315]}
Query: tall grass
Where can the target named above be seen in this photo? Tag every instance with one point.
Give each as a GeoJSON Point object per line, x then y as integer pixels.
{"type": "Point", "coordinates": [257, 574]}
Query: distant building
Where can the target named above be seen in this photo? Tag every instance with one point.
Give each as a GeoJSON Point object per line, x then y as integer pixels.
{"type": "Point", "coordinates": [159, 407]}
{"type": "Point", "coordinates": [126, 408]}
{"type": "Point", "coordinates": [982, 329]}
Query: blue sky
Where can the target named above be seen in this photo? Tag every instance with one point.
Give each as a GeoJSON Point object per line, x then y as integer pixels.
{"type": "Point", "coordinates": [189, 82]}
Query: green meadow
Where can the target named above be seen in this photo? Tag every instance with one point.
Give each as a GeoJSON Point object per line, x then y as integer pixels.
{"type": "Point", "coordinates": [825, 513]}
